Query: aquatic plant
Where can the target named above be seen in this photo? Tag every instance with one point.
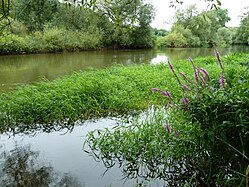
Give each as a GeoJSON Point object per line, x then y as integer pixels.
{"type": "Point", "coordinates": [198, 138]}
{"type": "Point", "coordinates": [222, 114]}
{"type": "Point", "coordinates": [84, 95]}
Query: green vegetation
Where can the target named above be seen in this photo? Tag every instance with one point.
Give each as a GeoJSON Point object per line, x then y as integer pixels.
{"type": "Point", "coordinates": [199, 138]}
{"type": "Point", "coordinates": [50, 26]}
{"type": "Point", "coordinates": [242, 34]}
{"type": "Point", "coordinates": [82, 95]}
{"type": "Point", "coordinates": [192, 28]}
{"type": "Point", "coordinates": [112, 91]}
{"type": "Point", "coordinates": [199, 29]}
{"type": "Point", "coordinates": [200, 142]}
{"type": "Point", "coordinates": [115, 24]}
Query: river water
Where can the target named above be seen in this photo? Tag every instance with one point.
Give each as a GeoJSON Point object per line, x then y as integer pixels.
{"type": "Point", "coordinates": [57, 158]}
{"type": "Point", "coordinates": [16, 70]}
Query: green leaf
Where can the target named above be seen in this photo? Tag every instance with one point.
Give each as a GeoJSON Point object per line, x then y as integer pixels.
{"type": "Point", "coordinates": [211, 135]}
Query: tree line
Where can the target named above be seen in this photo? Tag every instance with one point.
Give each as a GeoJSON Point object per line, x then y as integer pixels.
{"type": "Point", "coordinates": [52, 25]}
{"type": "Point", "coordinates": [192, 28]}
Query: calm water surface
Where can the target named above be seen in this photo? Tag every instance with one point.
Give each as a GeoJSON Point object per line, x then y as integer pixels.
{"type": "Point", "coordinates": [58, 157]}
{"type": "Point", "coordinates": [16, 70]}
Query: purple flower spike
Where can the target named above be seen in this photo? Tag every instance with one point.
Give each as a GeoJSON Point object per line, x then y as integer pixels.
{"type": "Point", "coordinates": [222, 80]}
{"type": "Point", "coordinates": [155, 89]}
{"type": "Point", "coordinates": [190, 60]}
{"type": "Point", "coordinates": [176, 132]}
{"type": "Point", "coordinates": [171, 67]}
{"type": "Point", "coordinates": [186, 87]}
{"type": "Point", "coordinates": [185, 101]}
{"type": "Point", "coordinates": [199, 98]}
{"type": "Point", "coordinates": [196, 77]}
{"type": "Point", "coordinates": [218, 58]}
{"type": "Point", "coordinates": [168, 128]}
{"type": "Point", "coordinates": [185, 77]}
{"type": "Point", "coordinates": [167, 93]}
{"type": "Point", "coordinates": [205, 73]}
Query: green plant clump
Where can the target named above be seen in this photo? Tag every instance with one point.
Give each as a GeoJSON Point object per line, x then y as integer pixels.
{"type": "Point", "coordinates": [199, 138]}
{"type": "Point", "coordinates": [89, 94]}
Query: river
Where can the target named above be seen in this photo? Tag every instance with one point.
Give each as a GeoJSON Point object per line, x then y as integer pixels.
{"type": "Point", "coordinates": [56, 157]}
{"type": "Point", "coordinates": [16, 70]}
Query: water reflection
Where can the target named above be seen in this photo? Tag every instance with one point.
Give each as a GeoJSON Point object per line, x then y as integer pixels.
{"type": "Point", "coordinates": [16, 70]}
{"type": "Point", "coordinates": [20, 167]}
{"type": "Point", "coordinates": [63, 150]}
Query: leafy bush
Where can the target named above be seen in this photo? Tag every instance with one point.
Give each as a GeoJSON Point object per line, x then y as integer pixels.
{"type": "Point", "coordinates": [51, 40]}
{"type": "Point", "coordinates": [161, 42]}
{"type": "Point", "coordinates": [175, 40]}
{"type": "Point", "coordinates": [12, 43]}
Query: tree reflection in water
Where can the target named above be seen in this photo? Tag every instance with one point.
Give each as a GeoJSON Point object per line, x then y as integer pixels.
{"type": "Point", "coordinates": [19, 167]}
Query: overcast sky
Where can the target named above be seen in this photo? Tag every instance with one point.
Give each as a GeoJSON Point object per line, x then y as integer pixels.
{"type": "Point", "coordinates": [164, 14]}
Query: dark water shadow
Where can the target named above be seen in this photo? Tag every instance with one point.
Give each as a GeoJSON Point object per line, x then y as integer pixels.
{"type": "Point", "coordinates": [21, 167]}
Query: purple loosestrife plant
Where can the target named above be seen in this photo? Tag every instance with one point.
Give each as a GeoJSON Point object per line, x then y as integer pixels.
{"type": "Point", "coordinates": [195, 72]}
{"type": "Point", "coordinates": [176, 132]}
{"type": "Point", "coordinates": [218, 58]}
{"type": "Point", "coordinates": [204, 71]}
{"type": "Point", "coordinates": [185, 101]}
{"type": "Point", "coordinates": [199, 74]}
{"type": "Point", "coordinates": [174, 73]}
{"type": "Point", "coordinates": [186, 87]}
{"type": "Point", "coordinates": [186, 78]}
{"type": "Point", "coordinates": [168, 128]}
{"type": "Point", "coordinates": [222, 81]}
{"type": "Point", "coordinates": [167, 93]}
{"type": "Point", "coordinates": [194, 90]}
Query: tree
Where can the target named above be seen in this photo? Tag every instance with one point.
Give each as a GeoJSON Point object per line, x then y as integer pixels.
{"type": "Point", "coordinates": [21, 167]}
{"type": "Point", "coordinates": [175, 39]}
{"type": "Point", "coordinates": [192, 41]}
{"type": "Point", "coordinates": [200, 28]}
{"type": "Point", "coordinates": [212, 3]}
{"type": "Point", "coordinates": [129, 18]}
{"type": "Point", "coordinates": [35, 13]}
{"type": "Point", "coordinates": [243, 30]}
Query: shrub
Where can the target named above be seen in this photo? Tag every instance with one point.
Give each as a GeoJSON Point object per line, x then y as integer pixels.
{"type": "Point", "coordinates": [222, 115]}
{"type": "Point", "coordinates": [175, 40]}
{"type": "Point", "coordinates": [161, 42]}
{"type": "Point", "coordinates": [12, 43]}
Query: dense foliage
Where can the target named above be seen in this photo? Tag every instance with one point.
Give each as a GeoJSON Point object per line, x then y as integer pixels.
{"type": "Point", "coordinates": [194, 29]}
{"type": "Point", "coordinates": [199, 138]}
{"type": "Point", "coordinates": [109, 24]}
{"type": "Point", "coordinates": [242, 35]}
{"type": "Point", "coordinates": [116, 24]}
{"type": "Point", "coordinates": [84, 95]}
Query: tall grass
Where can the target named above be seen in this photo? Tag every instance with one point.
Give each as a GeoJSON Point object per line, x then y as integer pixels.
{"type": "Point", "coordinates": [83, 95]}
